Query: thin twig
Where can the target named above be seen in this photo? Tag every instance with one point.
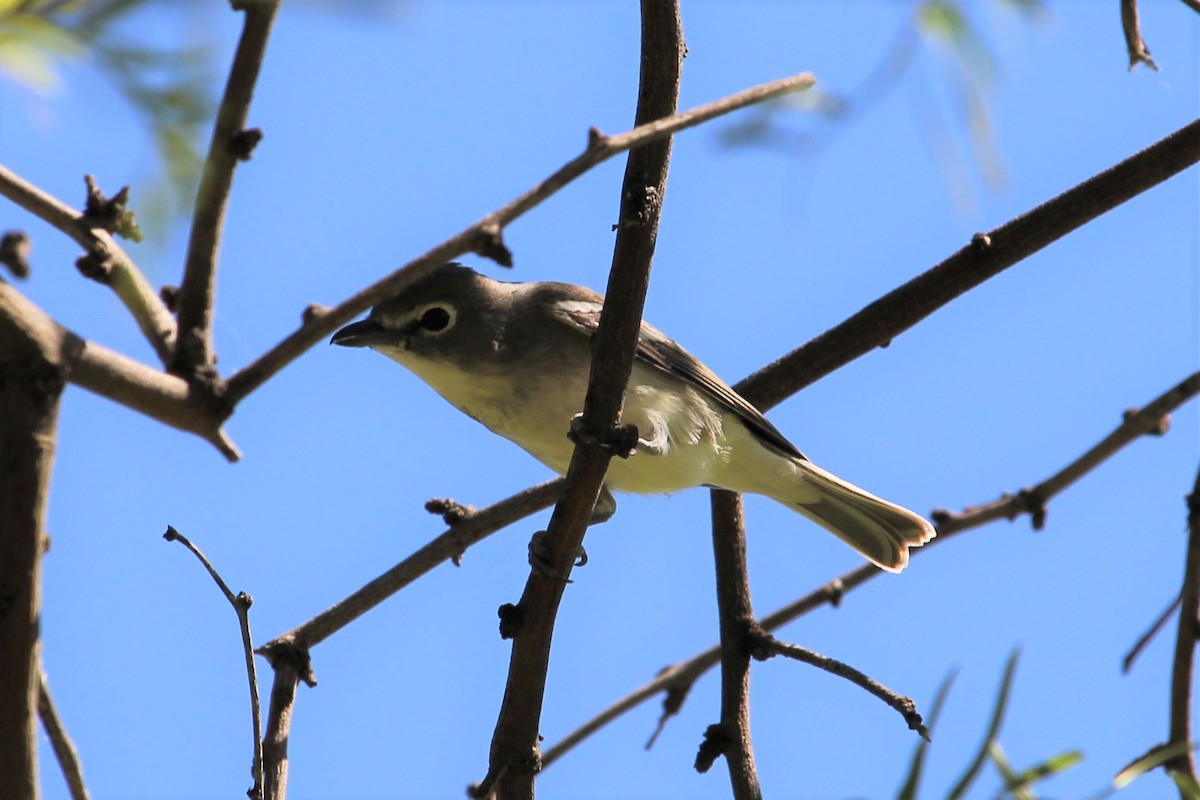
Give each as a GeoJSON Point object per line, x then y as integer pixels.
{"type": "Point", "coordinates": [1194, 5]}
{"type": "Point", "coordinates": [513, 760]}
{"type": "Point", "coordinates": [241, 603]}
{"type": "Point", "coordinates": [197, 292]}
{"type": "Point", "coordinates": [1185, 646]}
{"type": "Point", "coordinates": [1145, 639]}
{"type": "Point", "coordinates": [64, 748]}
{"type": "Point", "coordinates": [473, 238]}
{"type": "Point", "coordinates": [904, 705]}
{"type": "Point", "coordinates": [678, 677]}
{"type": "Point", "coordinates": [156, 394]}
{"type": "Point", "coordinates": [451, 544]}
{"type": "Point", "coordinates": [122, 275]}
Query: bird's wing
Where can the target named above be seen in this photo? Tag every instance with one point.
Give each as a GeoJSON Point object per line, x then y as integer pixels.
{"type": "Point", "coordinates": [657, 350]}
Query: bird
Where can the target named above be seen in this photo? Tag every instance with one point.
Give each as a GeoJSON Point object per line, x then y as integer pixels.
{"type": "Point", "coordinates": [516, 358]}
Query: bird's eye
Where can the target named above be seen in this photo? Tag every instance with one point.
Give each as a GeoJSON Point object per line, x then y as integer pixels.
{"type": "Point", "coordinates": [435, 319]}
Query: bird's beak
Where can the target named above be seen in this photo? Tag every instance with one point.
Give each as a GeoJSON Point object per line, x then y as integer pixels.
{"type": "Point", "coordinates": [364, 333]}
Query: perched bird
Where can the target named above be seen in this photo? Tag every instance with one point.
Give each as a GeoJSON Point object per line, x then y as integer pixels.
{"type": "Point", "coordinates": [516, 357]}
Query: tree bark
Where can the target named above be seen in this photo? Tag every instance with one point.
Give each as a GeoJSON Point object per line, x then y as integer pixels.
{"type": "Point", "coordinates": [31, 383]}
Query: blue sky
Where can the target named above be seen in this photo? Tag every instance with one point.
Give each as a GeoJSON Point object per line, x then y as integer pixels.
{"type": "Point", "coordinates": [386, 135]}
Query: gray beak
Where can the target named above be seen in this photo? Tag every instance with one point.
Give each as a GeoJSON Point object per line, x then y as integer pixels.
{"type": "Point", "coordinates": [364, 333]}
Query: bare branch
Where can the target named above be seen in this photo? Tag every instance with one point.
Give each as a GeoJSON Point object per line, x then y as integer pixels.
{"type": "Point", "coordinates": [120, 273]}
{"type": "Point", "coordinates": [64, 748]}
{"type": "Point", "coordinates": [158, 395]}
{"type": "Point", "coordinates": [1185, 647]}
{"type": "Point", "coordinates": [514, 757]}
{"type": "Point", "coordinates": [678, 677]}
{"type": "Point", "coordinates": [987, 256]}
{"type": "Point", "coordinates": [1159, 623]}
{"type": "Point", "coordinates": [472, 529]}
{"type": "Point", "coordinates": [481, 236]}
{"type": "Point", "coordinates": [229, 145]}
{"type": "Point", "coordinates": [731, 738]}
{"type": "Point", "coordinates": [30, 391]}
{"type": "Point", "coordinates": [241, 603]}
{"type": "Point", "coordinates": [1131, 26]}
{"type": "Point", "coordinates": [904, 705]}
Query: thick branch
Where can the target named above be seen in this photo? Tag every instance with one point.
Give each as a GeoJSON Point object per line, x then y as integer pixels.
{"type": "Point", "coordinates": [987, 256]}
{"type": "Point", "coordinates": [193, 354]}
{"type": "Point", "coordinates": [158, 395]}
{"type": "Point", "coordinates": [483, 235]}
{"type": "Point", "coordinates": [513, 761]}
{"type": "Point", "coordinates": [1185, 647]}
{"type": "Point", "coordinates": [32, 384]}
{"type": "Point", "coordinates": [732, 736]}
{"type": "Point", "coordinates": [121, 274]}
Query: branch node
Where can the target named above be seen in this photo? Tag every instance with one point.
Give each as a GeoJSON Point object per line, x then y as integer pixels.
{"type": "Point", "coordinates": [14, 252]}
{"type": "Point", "coordinates": [596, 139]}
{"type": "Point", "coordinates": [716, 743]}
{"type": "Point", "coordinates": [1161, 427]}
{"type": "Point", "coordinates": [109, 214]}
{"type": "Point", "coordinates": [313, 311]}
{"type": "Point", "coordinates": [96, 266]}
{"type": "Point", "coordinates": [981, 242]}
{"type": "Point", "coordinates": [620, 440]}
{"type": "Point", "coordinates": [673, 700]}
{"type": "Point", "coordinates": [834, 591]}
{"type": "Point", "coordinates": [451, 511]}
{"type": "Point", "coordinates": [242, 143]}
{"type": "Point", "coordinates": [1033, 503]}
{"type": "Point", "coordinates": [170, 297]}
{"type": "Point", "coordinates": [642, 207]}
{"type": "Point", "coordinates": [285, 651]}
{"type": "Point", "coordinates": [489, 243]}
{"type": "Point", "coordinates": [512, 617]}
{"type": "Point", "coordinates": [759, 644]}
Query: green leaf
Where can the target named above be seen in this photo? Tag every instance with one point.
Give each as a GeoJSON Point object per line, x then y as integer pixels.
{"type": "Point", "coordinates": [981, 754]}
{"type": "Point", "coordinates": [1018, 784]}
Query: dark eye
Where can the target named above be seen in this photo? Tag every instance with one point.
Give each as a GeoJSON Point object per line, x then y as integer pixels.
{"type": "Point", "coordinates": [435, 319]}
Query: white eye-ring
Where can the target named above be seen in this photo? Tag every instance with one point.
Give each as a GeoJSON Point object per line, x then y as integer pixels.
{"type": "Point", "coordinates": [434, 318]}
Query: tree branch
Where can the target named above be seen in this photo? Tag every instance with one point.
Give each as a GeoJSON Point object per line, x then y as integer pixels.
{"type": "Point", "coordinates": [64, 748]}
{"type": "Point", "coordinates": [904, 705]}
{"type": "Point", "coordinates": [230, 144]}
{"type": "Point", "coordinates": [513, 760]}
{"type": "Point", "coordinates": [1135, 46]}
{"type": "Point", "coordinates": [731, 737]}
{"type": "Point", "coordinates": [119, 272]}
{"type": "Point", "coordinates": [987, 256]}
{"type": "Point", "coordinates": [677, 678]}
{"type": "Point", "coordinates": [241, 603]}
{"type": "Point", "coordinates": [484, 236]}
{"type": "Point", "coordinates": [1185, 648]}
{"type": "Point", "coordinates": [156, 394]}
{"type": "Point", "coordinates": [32, 384]}
{"type": "Point", "coordinates": [470, 530]}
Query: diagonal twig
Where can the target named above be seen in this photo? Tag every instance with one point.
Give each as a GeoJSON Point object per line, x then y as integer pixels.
{"type": "Point", "coordinates": [121, 274]}
{"type": "Point", "coordinates": [482, 236]}
{"type": "Point", "coordinates": [1185, 646]}
{"type": "Point", "coordinates": [60, 741]}
{"type": "Point", "coordinates": [905, 705]}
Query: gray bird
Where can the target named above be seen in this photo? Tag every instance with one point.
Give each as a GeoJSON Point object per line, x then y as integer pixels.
{"type": "Point", "coordinates": [516, 357]}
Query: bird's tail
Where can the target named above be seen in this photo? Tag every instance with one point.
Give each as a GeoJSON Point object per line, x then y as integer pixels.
{"type": "Point", "coordinates": [881, 531]}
